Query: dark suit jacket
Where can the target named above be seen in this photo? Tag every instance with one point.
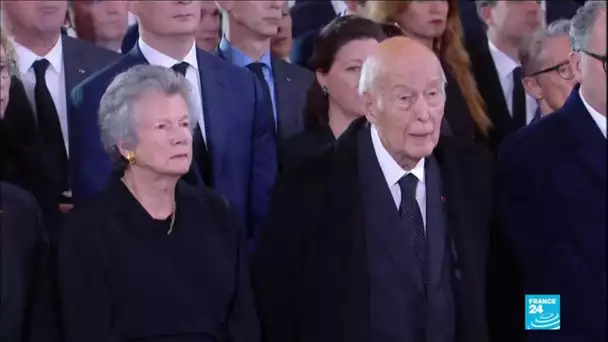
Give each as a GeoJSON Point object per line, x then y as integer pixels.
{"type": "Point", "coordinates": [122, 278]}
{"type": "Point", "coordinates": [291, 85]}
{"type": "Point", "coordinates": [240, 138]}
{"type": "Point", "coordinates": [311, 279]}
{"type": "Point", "coordinates": [299, 148]}
{"type": "Point", "coordinates": [27, 310]}
{"type": "Point", "coordinates": [309, 16]}
{"type": "Point", "coordinates": [551, 189]}
{"type": "Point", "coordinates": [23, 159]}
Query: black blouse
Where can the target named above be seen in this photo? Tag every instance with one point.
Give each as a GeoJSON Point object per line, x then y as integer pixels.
{"type": "Point", "coordinates": [123, 278]}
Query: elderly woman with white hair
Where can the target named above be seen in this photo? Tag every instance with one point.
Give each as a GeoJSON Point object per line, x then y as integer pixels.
{"type": "Point", "coordinates": [152, 258]}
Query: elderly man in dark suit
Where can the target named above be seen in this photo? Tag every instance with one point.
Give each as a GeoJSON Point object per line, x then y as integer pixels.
{"type": "Point", "coordinates": [383, 236]}
{"type": "Point", "coordinates": [51, 65]}
{"type": "Point", "coordinates": [27, 291]}
{"type": "Point", "coordinates": [251, 27]}
{"type": "Point", "coordinates": [552, 192]}
{"type": "Point", "coordinates": [235, 149]}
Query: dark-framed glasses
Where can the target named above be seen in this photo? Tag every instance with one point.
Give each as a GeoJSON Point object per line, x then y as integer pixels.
{"type": "Point", "coordinates": [600, 58]}
{"type": "Point", "coordinates": [563, 69]}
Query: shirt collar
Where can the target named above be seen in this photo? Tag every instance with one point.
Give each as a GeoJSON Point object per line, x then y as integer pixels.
{"type": "Point", "coordinates": [339, 6]}
{"type": "Point", "coordinates": [27, 57]}
{"type": "Point", "coordinates": [504, 64]}
{"type": "Point", "coordinates": [239, 58]}
{"type": "Point", "coordinates": [599, 119]}
{"type": "Point", "coordinates": [156, 57]}
{"type": "Point", "coordinates": [391, 170]}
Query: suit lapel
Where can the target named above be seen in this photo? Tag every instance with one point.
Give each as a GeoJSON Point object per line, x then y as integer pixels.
{"type": "Point", "coordinates": [288, 119]}
{"type": "Point", "coordinates": [435, 220]}
{"type": "Point", "coordinates": [74, 64]}
{"type": "Point", "coordinates": [215, 123]}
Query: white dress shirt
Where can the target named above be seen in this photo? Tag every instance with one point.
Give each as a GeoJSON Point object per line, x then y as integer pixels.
{"type": "Point", "coordinates": [54, 77]}
{"type": "Point", "coordinates": [504, 66]}
{"type": "Point", "coordinates": [393, 173]}
{"type": "Point", "coordinates": [156, 57]}
{"type": "Point", "coordinates": [599, 119]}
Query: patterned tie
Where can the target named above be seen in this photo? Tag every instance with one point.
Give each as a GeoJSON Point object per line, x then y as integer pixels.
{"type": "Point", "coordinates": [202, 158]}
{"type": "Point", "coordinates": [412, 221]}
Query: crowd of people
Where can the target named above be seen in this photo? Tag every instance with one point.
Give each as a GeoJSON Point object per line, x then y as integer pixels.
{"type": "Point", "coordinates": [302, 171]}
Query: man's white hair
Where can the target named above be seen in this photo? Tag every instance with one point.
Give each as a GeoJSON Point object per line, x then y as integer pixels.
{"type": "Point", "coordinates": [372, 70]}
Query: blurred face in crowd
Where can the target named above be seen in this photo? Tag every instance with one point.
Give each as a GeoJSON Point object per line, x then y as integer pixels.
{"type": "Point", "coordinates": [342, 79]}
{"type": "Point", "coordinates": [36, 17]}
{"type": "Point", "coordinates": [513, 20]}
{"type": "Point", "coordinates": [101, 20]}
{"type": "Point", "coordinates": [590, 71]}
{"type": "Point", "coordinates": [261, 18]}
{"type": "Point", "coordinates": [5, 80]}
{"type": "Point", "coordinates": [407, 102]}
{"type": "Point", "coordinates": [164, 140]}
{"type": "Point", "coordinates": [208, 32]}
{"type": "Point", "coordinates": [168, 18]}
{"type": "Point", "coordinates": [424, 20]}
{"type": "Point", "coordinates": [555, 82]}
{"type": "Point", "coordinates": [282, 42]}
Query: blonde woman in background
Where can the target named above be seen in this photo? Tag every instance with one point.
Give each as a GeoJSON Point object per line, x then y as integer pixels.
{"type": "Point", "coordinates": [437, 25]}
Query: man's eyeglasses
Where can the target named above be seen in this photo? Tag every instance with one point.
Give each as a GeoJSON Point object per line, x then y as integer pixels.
{"type": "Point", "coordinates": [563, 69]}
{"type": "Point", "coordinates": [600, 58]}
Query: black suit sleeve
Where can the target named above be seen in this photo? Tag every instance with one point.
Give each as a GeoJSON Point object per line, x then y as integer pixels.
{"type": "Point", "coordinates": [85, 302]}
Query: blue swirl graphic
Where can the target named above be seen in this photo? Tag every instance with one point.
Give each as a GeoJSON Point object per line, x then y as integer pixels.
{"type": "Point", "coordinates": [548, 321]}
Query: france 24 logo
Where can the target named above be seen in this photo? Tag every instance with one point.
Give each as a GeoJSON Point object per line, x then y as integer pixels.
{"type": "Point", "coordinates": [542, 312]}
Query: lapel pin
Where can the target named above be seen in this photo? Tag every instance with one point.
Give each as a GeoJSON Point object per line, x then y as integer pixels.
{"type": "Point", "coordinates": [442, 198]}
{"type": "Point", "coordinates": [81, 71]}
{"type": "Point", "coordinates": [287, 79]}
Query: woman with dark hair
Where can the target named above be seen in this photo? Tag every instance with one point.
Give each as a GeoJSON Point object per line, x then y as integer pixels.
{"type": "Point", "coordinates": [333, 100]}
{"type": "Point", "coordinates": [437, 25]}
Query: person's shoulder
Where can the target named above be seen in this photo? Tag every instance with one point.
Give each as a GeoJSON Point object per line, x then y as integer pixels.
{"type": "Point", "coordinates": [17, 198]}
{"type": "Point", "coordinates": [296, 71]}
{"type": "Point", "coordinates": [227, 72]}
{"type": "Point", "coordinates": [464, 150]}
{"type": "Point", "coordinates": [97, 83]}
{"type": "Point", "coordinates": [90, 50]}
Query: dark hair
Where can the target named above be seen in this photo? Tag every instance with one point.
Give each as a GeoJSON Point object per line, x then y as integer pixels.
{"type": "Point", "coordinates": [392, 30]}
{"type": "Point", "coordinates": [332, 38]}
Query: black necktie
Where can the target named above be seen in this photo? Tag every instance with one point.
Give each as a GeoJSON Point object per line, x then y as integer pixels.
{"type": "Point", "coordinates": [200, 147]}
{"type": "Point", "coordinates": [258, 69]}
{"type": "Point", "coordinates": [519, 99]}
{"type": "Point", "coordinates": [412, 220]}
{"type": "Point", "coordinates": [48, 121]}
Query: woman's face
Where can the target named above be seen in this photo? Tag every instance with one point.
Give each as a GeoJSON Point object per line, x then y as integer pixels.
{"type": "Point", "coordinates": [342, 80]}
{"type": "Point", "coordinates": [424, 20]}
{"type": "Point", "coordinates": [5, 80]}
{"type": "Point", "coordinates": [164, 138]}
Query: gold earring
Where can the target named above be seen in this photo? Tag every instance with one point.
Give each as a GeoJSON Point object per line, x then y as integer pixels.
{"type": "Point", "coordinates": [131, 157]}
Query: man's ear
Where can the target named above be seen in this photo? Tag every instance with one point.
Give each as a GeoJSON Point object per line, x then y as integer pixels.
{"type": "Point", "coordinates": [370, 107]}
{"type": "Point", "coordinates": [486, 14]}
{"type": "Point", "coordinates": [532, 88]}
{"type": "Point", "coordinates": [575, 63]}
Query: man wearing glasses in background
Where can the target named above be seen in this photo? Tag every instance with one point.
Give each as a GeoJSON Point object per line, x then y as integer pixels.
{"type": "Point", "coordinates": [548, 76]}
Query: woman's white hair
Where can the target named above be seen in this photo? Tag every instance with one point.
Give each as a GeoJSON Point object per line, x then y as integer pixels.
{"type": "Point", "coordinates": [117, 117]}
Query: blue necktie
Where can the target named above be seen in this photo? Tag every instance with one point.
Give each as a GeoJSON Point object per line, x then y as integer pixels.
{"type": "Point", "coordinates": [411, 218]}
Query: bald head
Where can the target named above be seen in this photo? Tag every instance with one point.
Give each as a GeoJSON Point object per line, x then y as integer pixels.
{"type": "Point", "coordinates": [398, 56]}
{"type": "Point", "coordinates": [404, 89]}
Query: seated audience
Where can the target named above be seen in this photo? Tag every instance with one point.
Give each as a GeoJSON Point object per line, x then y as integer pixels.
{"type": "Point", "coordinates": [103, 23]}
{"type": "Point", "coordinates": [437, 25]}
{"type": "Point", "coordinates": [382, 237]}
{"type": "Point", "coordinates": [332, 100]}
{"type": "Point", "coordinates": [281, 43]}
{"type": "Point", "coordinates": [548, 76]}
{"type": "Point", "coordinates": [552, 196]}
{"type": "Point", "coordinates": [152, 258]}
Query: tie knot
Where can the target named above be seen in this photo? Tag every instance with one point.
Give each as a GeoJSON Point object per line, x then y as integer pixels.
{"type": "Point", "coordinates": [40, 67]}
{"type": "Point", "coordinates": [517, 74]}
{"type": "Point", "coordinates": [408, 185]}
{"type": "Point", "coordinates": [181, 68]}
{"type": "Point", "coordinates": [257, 68]}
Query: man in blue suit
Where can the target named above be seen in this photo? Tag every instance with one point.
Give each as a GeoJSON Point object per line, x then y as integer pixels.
{"type": "Point", "coordinates": [234, 143]}
{"type": "Point", "coordinates": [552, 192]}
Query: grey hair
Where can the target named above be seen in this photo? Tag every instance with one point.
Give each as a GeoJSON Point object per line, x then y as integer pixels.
{"type": "Point", "coordinates": [117, 117]}
{"type": "Point", "coordinates": [371, 71]}
{"type": "Point", "coordinates": [533, 51]}
{"type": "Point", "coordinates": [583, 22]}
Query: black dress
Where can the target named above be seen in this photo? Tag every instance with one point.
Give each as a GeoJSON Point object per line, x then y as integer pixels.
{"type": "Point", "coordinates": [123, 278]}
